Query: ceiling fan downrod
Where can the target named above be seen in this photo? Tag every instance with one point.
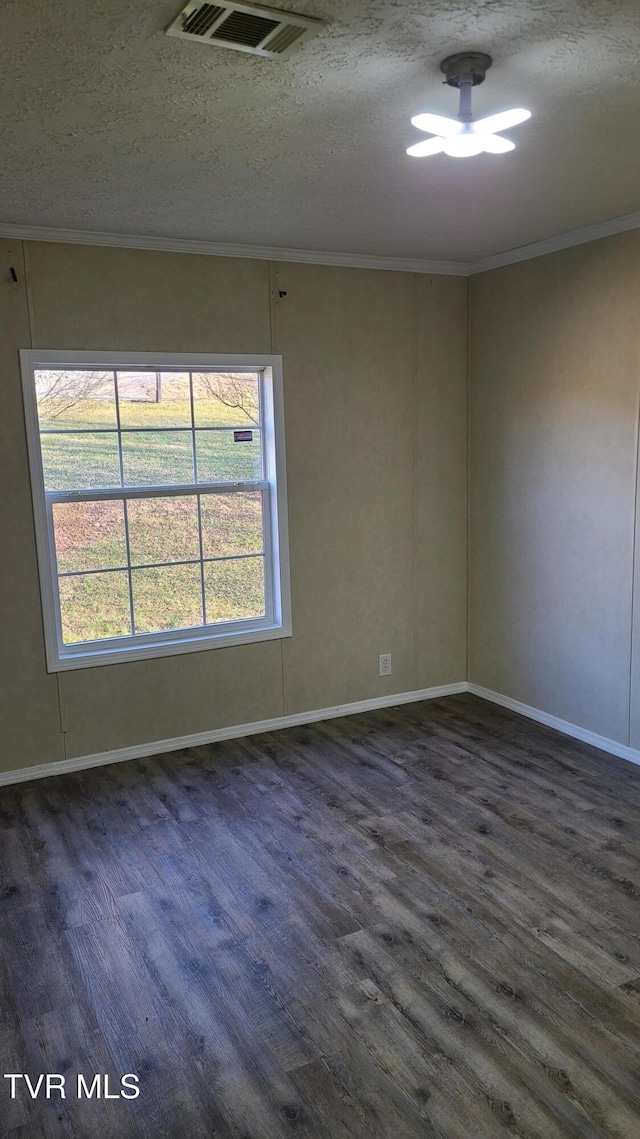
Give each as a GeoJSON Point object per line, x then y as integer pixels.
{"type": "Point", "coordinates": [464, 71]}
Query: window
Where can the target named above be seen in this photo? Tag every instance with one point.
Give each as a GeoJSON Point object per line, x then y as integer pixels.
{"type": "Point", "coordinates": [159, 497]}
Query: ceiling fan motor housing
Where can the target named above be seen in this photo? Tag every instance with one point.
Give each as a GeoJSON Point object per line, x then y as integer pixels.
{"type": "Point", "coordinates": [467, 67]}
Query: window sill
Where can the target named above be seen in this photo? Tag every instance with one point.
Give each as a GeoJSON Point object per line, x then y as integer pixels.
{"type": "Point", "coordinates": [92, 658]}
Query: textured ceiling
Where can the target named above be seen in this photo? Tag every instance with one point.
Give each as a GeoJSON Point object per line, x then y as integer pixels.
{"type": "Point", "coordinates": [107, 124]}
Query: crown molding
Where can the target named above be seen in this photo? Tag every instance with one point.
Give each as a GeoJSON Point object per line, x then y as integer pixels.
{"type": "Point", "coordinates": [553, 244]}
{"type": "Point", "coordinates": [222, 249]}
{"type": "Point", "coordinates": [318, 257]}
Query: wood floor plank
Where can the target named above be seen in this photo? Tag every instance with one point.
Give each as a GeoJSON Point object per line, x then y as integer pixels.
{"type": "Point", "coordinates": [71, 1045]}
{"type": "Point", "coordinates": [354, 1099]}
{"type": "Point", "coordinates": [416, 923]}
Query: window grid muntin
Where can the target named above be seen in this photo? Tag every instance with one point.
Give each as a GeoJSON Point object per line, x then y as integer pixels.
{"type": "Point", "coordinates": [194, 450]}
{"type": "Point", "coordinates": [137, 491]}
{"type": "Point", "coordinates": [132, 617]}
{"type": "Point", "coordinates": [162, 565]}
{"type": "Point", "coordinates": [192, 428]}
{"type": "Point", "coordinates": [203, 596]}
{"type": "Point", "coordinates": [148, 430]}
{"type": "Point", "coordinates": [166, 370]}
{"type": "Point", "coordinates": [194, 432]}
{"type": "Point", "coordinates": [265, 554]}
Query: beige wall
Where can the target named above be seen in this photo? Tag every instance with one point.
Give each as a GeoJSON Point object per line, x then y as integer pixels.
{"type": "Point", "coordinates": [554, 425]}
{"type": "Point", "coordinates": [375, 398]}
{"type": "Point", "coordinates": [376, 420]}
{"type": "Point", "coordinates": [29, 713]}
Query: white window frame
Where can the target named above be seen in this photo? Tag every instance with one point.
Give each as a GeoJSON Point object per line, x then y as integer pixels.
{"type": "Point", "coordinates": [277, 621]}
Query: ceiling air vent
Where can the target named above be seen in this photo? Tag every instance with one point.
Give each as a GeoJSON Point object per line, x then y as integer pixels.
{"type": "Point", "coordinates": [244, 27]}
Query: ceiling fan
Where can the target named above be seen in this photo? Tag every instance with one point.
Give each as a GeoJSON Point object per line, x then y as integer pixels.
{"type": "Point", "coordinates": [462, 137]}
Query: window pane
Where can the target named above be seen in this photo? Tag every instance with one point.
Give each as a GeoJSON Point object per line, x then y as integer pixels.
{"type": "Point", "coordinates": [166, 598]}
{"type": "Point", "coordinates": [157, 458]}
{"type": "Point", "coordinates": [94, 606]}
{"type": "Point", "coordinates": [225, 399]}
{"type": "Point", "coordinates": [221, 458]}
{"type": "Point", "coordinates": [231, 524]}
{"type": "Point", "coordinates": [234, 589]}
{"type": "Point", "coordinates": [89, 535]}
{"type": "Point", "coordinates": [80, 461]}
{"type": "Point", "coordinates": [75, 399]}
{"type": "Point", "coordinates": [154, 399]}
{"type": "Point", "coordinates": [163, 529]}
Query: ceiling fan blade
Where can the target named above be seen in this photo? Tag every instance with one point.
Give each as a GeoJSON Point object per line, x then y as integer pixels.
{"type": "Point", "coordinates": [502, 121]}
{"type": "Point", "coordinates": [495, 144]}
{"type": "Point", "coordinates": [464, 145]}
{"type": "Point", "coordinates": [436, 124]}
{"type": "Point", "coordinates": [424, 149]}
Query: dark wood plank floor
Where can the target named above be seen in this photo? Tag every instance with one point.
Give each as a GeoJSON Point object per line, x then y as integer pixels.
{"type": "Point", "coordinates": [411, 923]}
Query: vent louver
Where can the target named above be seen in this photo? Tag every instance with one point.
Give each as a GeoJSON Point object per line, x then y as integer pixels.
{"type": "Point", "coordinates": [247, 30]}
{"type": "Point", "coordinates": [244, 27]}
{"type": "Point", "coordinates": [200, 21]}
{"type": "Point", "coordinates": [285, 38]}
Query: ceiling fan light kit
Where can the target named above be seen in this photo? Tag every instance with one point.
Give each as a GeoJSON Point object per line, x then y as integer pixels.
{"type": "Point", "coordinates": [462, 137]}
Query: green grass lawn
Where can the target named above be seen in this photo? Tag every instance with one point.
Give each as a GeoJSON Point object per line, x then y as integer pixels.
{"type": "Point", "coordinates": [88, 458]}
{"type": "Point", "coordinates": [91, 536]}
{"type": "Point", "coordinates": [97, 408]}
{"type": "Point", "coordinates": [95, 606]}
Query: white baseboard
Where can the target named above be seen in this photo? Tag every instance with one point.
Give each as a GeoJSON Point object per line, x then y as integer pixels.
{"type": "Point", "coordinates": [601, 742]}
{"type": "Point", "coordinates": [157, 747]}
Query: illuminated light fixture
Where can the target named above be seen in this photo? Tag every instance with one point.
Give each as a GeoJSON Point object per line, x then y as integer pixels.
{"type": "Point", "coordinates": [462, 137]}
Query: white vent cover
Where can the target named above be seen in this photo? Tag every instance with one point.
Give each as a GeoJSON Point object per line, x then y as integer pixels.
{"type": "Point", "coordinates": [244, 27]}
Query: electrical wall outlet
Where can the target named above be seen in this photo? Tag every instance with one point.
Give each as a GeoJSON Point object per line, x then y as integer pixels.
{"type": "Point", "coordinates": [385, 664]}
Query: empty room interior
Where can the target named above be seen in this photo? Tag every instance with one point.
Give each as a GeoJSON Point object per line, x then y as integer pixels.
{"type": "Point", "coordinates": [320, 665]}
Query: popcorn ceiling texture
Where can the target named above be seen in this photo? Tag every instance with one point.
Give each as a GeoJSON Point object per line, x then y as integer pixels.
{"type": "Point", "coordinates": [107, 124]}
